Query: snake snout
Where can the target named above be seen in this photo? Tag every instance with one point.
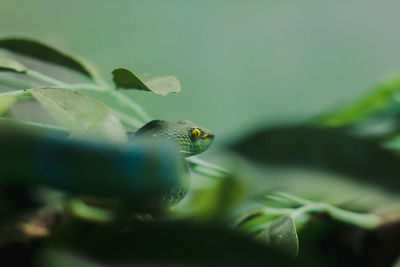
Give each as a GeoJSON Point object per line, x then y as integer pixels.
{"type": "Point", "coordinates": [209, 135]}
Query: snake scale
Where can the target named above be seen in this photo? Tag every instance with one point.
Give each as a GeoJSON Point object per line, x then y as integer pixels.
{"type": "Point", "coordinates": [190, 138]}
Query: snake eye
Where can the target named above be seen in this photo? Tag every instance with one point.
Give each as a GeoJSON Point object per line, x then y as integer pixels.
{"type": "Point", "coordinates": [196, 133]}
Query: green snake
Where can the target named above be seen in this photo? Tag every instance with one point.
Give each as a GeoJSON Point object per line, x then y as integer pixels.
{"type": "Point", "coordinates": [190, 138]}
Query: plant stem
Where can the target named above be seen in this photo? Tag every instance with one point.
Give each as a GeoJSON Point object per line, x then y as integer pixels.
{"type": "Point", "coordinates": [55, 129]}
{"type": "Point", "coordinates": [206, 171]}
{"type": "Point", "coordinates": [127, 102]}
{"type": "Point", "coordinates": [368, 221]}
{"type": "Point", "coordinates": [19, 84]}
{"type": "Point", "coordinates": [90, 213]}
{"type": "Point", "coordinates": [294, 199]}
{"type": "Point", "coordinates": [130, 121]}
{"type": "Point", "coordinates": [306, 206]}
{"type": "Point", "coordinates": [84, 86]}
{"type": "Point", "coordinates": [44, 78]}
{"type": "Point", "coordinates": [58, 83]}
{"type": "Point", "coordinates": [200, 162]}
{"type": "Point", "coordinates": [205, 168]}
{"type": "Point", "coordinates": [17, 93]}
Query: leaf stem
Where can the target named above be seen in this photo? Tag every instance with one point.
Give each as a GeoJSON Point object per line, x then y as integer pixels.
{"type": "Point", "coordinates": [57, 83]}
{"type": "Point", "coordinates": [17, 93]}
{"type": "Point", "coordinates": [127, 102]}
{"type": "Point", "coordinates": [49, 127]}
{"type": "Point", "coordinates": [368, 221]}
{"type": "Point", "coordinates": [199, 162]}
{"type": "Point", "coordinates": [44, 78]}
{"type": "Point", "coordinates": [294, 199]}
{"type": "Point", "coordinates": [130, 121]}
{"type": "Point", "coordinates": [18, 84]}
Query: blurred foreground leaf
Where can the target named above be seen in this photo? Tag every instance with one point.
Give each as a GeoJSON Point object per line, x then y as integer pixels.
{"type": "Point", "coordinates": [15, 201]}
{"type": "Point", "coordinates": [282, 235]}
{"type": "Point", "coordinates": [11, 64]}
{"type": "Point", "coordinates": [173, 244]}
{"type": "Point", "coordinates": [6, 102]}
{"type": "Point", "coordinates": [324, 149]}
{"type": "Point", "coordinates": [44, 52]}
{"type": "Point", "coordinates": [60, 258]}
{"type": "Point", "coordinates": [81, 115]}
{"type": "Point", "coordinates": [382, 99]}
{"type": "Point", "coordinates": [215, 203]}
{"type": "Point", "coordinates": [137, 172]}
{"type": "Point", "coordinates": [124, 78]}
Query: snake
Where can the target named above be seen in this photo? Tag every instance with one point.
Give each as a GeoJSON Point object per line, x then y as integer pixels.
{"type": "Point", "coordinates": [190, 138]}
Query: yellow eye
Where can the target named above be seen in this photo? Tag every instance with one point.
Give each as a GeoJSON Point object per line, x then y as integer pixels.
{"type": "Point", "coordinates": [196, 133]}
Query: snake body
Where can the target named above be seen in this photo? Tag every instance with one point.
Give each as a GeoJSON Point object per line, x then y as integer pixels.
{"type": "Point", "coordinates": [190, 138]}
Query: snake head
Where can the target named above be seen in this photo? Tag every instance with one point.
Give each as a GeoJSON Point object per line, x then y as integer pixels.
{"type": "Point", "coordinates": [191, 138]}
{"type": "Point", "coordinates": [196, 140]}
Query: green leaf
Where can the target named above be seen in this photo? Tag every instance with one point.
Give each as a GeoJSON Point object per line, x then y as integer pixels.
{"type": "Point", "coordinates": [135, 173]}
{"type": "Point", "coordinates": [41, 51]}
{"type": "Point", "coordinates": [61, 258]}
{"type": "Point", "coordinates": [326, 149]}
{"type": "Point", "coordinates": [282, 235]}
{"type": "Point", "coordinates": [380, 100]}
{"type": "Point", "coordinates": [215, 203]}
{"type": "Point", "coordinates": [256, 223]}
{"type": "Point", "coordinates": [6, 102]}
{"type": "Point", "coordinates": [175, 244]}
{"type": "Point", "coordinates": [81, 115]}
{"type": "Point", "coordinates": [15, 203]}
{"type": "Point", "coordinates": [11, 64]}
{"type": "Point", "coordinates": [124, 78]}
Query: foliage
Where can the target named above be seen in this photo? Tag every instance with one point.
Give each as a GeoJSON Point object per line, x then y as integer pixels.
{"type": "Point", "coordinates": [107, 190]}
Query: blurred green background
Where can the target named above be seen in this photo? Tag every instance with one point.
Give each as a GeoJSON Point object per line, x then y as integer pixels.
{"type": "Point", "coordinates": [240, 63]}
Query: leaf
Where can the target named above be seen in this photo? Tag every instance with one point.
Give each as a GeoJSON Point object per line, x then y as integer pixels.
{"type": "Point", "coordinates": [11, 64]}
{"type": "Point", "coordinates": [133, 173]}
{"type": "Point", "coordinates": [57, 257]}
{"type": "Point", "coordinates": [256, 223]}
{"type": "Point", "coordinates": [15, 202]}
{"type": "Point", "coordinates": [41, 51]}
{"type": "Point", "coordinates": [326, 149]}
{"type": "Point", "coordinates": [6, 102]}
{"type": "Point", "coordinates": [380, 100]}
{"type": "Point", "coordinates": [173, 244]}
{"type": "Point", "coordinates": [81, 115]}
{"type": "Point", "coordinates": [215, 203]}
{"type": "Point", "coordinates": [282, 235]}
{"type": "Point", "coordinates": [124, 78]}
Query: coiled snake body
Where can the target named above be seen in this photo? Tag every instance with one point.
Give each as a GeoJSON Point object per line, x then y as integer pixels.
{"type": "Point", "coordinates": [191, 139]}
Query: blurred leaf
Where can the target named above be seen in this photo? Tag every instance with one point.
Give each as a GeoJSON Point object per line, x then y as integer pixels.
{"type": "Point", "coordinates": [41, 51]}
{"type": "Point", "coordinates": [11, 64]}
{"type": "Point", "coordinates": [282, 235]}
{"type": "Point", "coordinates": [256, 222]}
{"type": "Point", "coordinates": [136, 173]}
{"type": "Point", "coordinates": [216, 202]}
{"type": "Point", "coordinates": [80, 209]}
{"type": "Point", "coordinates": [325, 149]}
{"type": "Point", "coordinates": [15, 201]}
{"type": "Point", "coordinates": [81, 115]}
{"type": "Point", "coordinates": [6, 102]}
{"type": "Point", "coordinates": [172, 244]}
{"type": "Point", "coordinates": [33, 127]}
{"type": "Point", "coordinates": [379, 100]}
{"type": "Point", "coordinates": [124, 78]}
{"type": "Point", "coordinates": [57, 257]}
